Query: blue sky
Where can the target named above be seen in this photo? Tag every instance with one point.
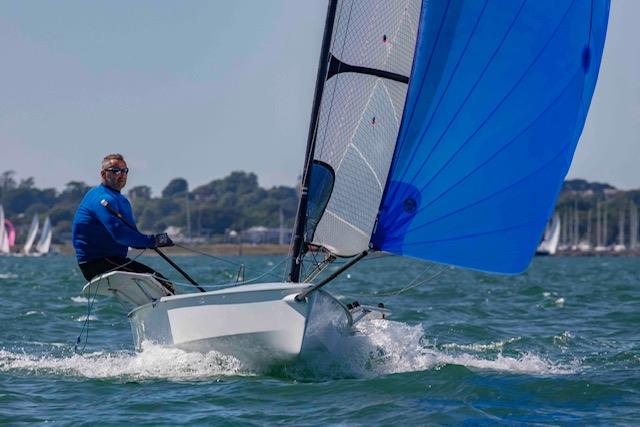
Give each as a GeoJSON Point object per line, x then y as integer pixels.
{"type": "Point", "coordinates": [198, 89]}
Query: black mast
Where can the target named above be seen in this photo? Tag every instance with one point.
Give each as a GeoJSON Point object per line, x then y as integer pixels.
{"type": "Point", "coordinates": [297, 244]}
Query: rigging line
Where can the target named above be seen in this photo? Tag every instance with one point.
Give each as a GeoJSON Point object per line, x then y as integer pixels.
{"type": "Point", "coordinates": [500, 103]}
{"type": "Point", "coordinates": [427, 280]}
{"type": "Point", "coordinates": [91, 300]}
{"type": "Point", "coordinates": [341, 260]}
{"type": "Point", "coordinates": [414, 283]}
{"type": "Point", "coordinates": [429, 267]}
{"type": "Point", "coordinates": [220, 285]}
{"type": "Point", "coordinates": [235, 264]}
{"type": "Point", "coordinates": [302, 295]}
{"type": "Point", "coordinates": [320, 266]}
{"type": "Point", "coordinates": [263, 274]}
{"type": "Point", "coordinates": [317, 264]}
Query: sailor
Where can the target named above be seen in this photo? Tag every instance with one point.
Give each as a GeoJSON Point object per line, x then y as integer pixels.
{"type": "Point", "coordinates": [101, 239]}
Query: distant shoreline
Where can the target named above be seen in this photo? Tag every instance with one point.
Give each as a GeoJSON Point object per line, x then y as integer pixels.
{"type": "Point", "coordinates": [228, 249]}
{"type": "Point", "coordinates": [236, 249]}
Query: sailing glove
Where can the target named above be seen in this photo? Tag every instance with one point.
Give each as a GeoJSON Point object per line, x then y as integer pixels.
{"type": "Point", "coordinates": [163, 240]}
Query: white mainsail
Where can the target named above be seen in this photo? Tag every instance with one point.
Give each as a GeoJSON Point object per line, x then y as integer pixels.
{"type": "Point", "coordinates": [31, 235]}
{"type": "Point", "coordinates": [4, 238]}
{"type": "Point", "coordinates": [549, 245]}
{"type": "Point", "coordinates": [4, 244]}
{"type": "Point", "coordinates": [362, 105]}
{"type": "Point", "coordinates": [44, 244]}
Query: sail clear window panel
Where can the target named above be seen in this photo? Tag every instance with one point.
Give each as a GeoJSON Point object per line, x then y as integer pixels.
{"type": "Point", "coordinates": [378, 34]}
{"type": "Point", "coordinates": [320, 188]}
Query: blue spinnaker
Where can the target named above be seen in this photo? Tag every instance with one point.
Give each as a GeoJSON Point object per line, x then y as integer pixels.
{"type": "Point", "coordinates": [497, 100]}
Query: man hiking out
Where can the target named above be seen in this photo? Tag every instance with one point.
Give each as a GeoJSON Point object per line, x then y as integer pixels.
{"type": "Point", "coordinates": [101, 239]}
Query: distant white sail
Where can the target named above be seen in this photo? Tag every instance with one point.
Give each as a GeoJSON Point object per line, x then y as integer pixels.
{"type": "Point", "coordinates": [4, 244]}
{"type": "Point", "coordinates": [551, 238]}
{"type": "Point", "coordinates": [4, 238]}
{"type": "Point", "coordinates": [31, 236]}
{"type": "Point", "coordinates": [44, 244]}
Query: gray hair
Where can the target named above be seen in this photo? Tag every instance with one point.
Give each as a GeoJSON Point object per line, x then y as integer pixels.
{"type": "Point", "coordinates": [106, 162]}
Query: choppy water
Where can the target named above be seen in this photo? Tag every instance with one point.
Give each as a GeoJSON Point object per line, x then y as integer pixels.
{"type": "Point", "coordinates": [557, 345]}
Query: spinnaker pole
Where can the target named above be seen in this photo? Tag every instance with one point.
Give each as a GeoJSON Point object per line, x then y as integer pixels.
{"type": "Point", "coordinates": [297, 243]}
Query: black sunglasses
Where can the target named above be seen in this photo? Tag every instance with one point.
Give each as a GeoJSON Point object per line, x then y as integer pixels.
{"type": "Point", "coordinates": [118, 171]}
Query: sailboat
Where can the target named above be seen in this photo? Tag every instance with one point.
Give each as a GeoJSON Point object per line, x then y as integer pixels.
{"type": "Point", "coordinates": [31, 235]}
{"type": "Point", "coordinates": [5, 249]}
{"type": "Point", "coordinates": [440, 130]}
{"type": "Point", "coordinates": [43, 246]}
{"type": "Point", "coordinates": [551, 237]}
{"type": "Point", "coordinates": [44, 243]}
{"type": "Point", "coordinates": [6, 236]}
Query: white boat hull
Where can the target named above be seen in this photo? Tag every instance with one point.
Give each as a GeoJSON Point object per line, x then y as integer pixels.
{"type": "Point", "coordinates": [249, 322]}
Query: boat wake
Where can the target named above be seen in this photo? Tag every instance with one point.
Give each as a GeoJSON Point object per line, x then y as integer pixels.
{"type": "Point", "coordinates": [152, 363]}
{"type": "Point", "coordinates": [380, 347]}
{"type": "Point", "coordinates": [384, 347]}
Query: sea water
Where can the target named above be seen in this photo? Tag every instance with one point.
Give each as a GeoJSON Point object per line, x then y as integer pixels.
{"type": "Point", "coordinates": [557, 345]}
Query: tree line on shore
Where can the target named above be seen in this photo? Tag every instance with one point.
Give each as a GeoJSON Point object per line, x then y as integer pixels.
{"type": "Point", "coordinates": [237, 202]}
{"type": "Point", "coordinates": [233, 202]}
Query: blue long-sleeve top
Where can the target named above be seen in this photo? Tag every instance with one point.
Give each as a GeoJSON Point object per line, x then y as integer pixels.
{"type": "Point", "coordinates": [97, 233]}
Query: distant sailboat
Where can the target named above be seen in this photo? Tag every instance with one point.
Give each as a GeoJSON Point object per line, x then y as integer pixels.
{"type": "Point", "coordinates": [5, 249]}
{"type": "Point", "coordinates": [4, 239]}
{"type": "Point", "coordinates": [31, 235]}
{"type": "Point", "coordinates": [4, 243]}
{"type": "Point", "coordinates": [7, 234]}
{"type": "Point", "coordinates": [44, 244]}
{"type": "Point", "coordinates": [549, 244]}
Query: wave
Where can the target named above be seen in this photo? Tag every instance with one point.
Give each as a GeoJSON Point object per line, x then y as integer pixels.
{"type": "Point", "coordinates": [384, 347]}
{"type": "Point", "coordinates": [154, 362]}
{"type": "Point", "coordinates": [380, 347]}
